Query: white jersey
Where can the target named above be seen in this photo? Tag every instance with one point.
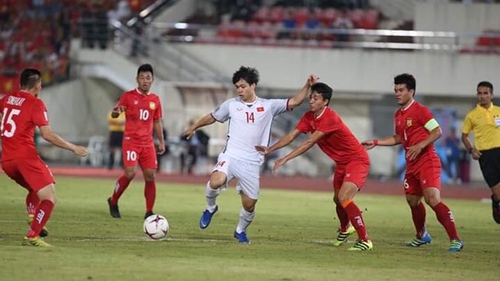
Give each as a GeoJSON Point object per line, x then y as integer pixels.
{"type": "Point", "coordinates": [249, 125]}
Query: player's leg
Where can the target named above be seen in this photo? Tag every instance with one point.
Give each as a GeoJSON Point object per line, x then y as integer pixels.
{"type": "Point", "coordinates": [495, 202]}
{"type": "Point", "coordinates": [345, 229]}
{"type": "Point", "coordinates": [32, 202]}
{"type": "Point", "coordinates": [40, 180]}
{"type": "Point", "coordinates": [430, 181]}
{"type": "Point", "coordinates": [413, 193]}
{"type": "Point", "coordinates": [149, 164]}
{"type": "Point", "coordinates": [11, 168]}
{"type": "Point", "coordinates": [490, 168]}
{"type": "Point", "coordinates": [130, 160]}
{"type": "Point", "coordinates": [247, 214]}
{"type": "Point", "coordinates": [346, 195]}
{"type": "Point", "coordinates": [249, 188]}
{"type": "Point", "coordinates": [444, 216]}
{"type": "Point", "coordinates": [218, 180]}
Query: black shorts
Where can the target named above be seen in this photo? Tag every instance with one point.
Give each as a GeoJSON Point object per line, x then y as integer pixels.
{"type": "Point", "coordinates": [490, 166]}
{"type": "Point", "coordinates": [115, 139]}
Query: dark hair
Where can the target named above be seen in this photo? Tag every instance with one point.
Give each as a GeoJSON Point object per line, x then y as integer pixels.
{"type": "Point", "coordinates": [407, 79]}
{"type": "Point", "coordinates": [145, 68]}
{"type": "Point", "coordinates": [29, 78]}
{"type": "Point", "coordinates": [486, 84]}
{"type": "Point", "coordinates": [323, 89]}
{"type": "Point", "coordinates": [251, 75]}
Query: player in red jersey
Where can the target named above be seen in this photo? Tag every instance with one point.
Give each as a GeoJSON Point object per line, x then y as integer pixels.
{"type": "Point", "coordinates": [21, 113]}
{"type": "Point", "coordinates": [338, 142]}
{"type": "Point", "coordinates": [142, 115]}
{"type": "Point", "coordinates": [417, 130]}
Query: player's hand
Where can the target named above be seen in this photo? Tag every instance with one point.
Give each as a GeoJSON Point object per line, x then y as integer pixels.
{"type": "Point", "coordinates": [80, 151]}
{"type": "Point", "coordinates": [476, 154]}
{"type": "Point", "coordinates": [312, 79]}
{"type": "Point", "coordinates": [188, 133]}
{"type": "Point", "coordinates": [264, 150]}
{"type": "Point", "coordinates": [116, 111]}
{"type": "Point", "coordinates": [161, 148]}
{"type": "Point", "coordinates": [278, 163]}
{"type": "Point", "coordinates": [368, 144]}
{"type": "Point", "coordinates": [413, 151]}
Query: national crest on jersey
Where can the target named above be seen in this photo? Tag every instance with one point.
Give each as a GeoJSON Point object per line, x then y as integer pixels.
{"type": "Point", "coordinates": [249, 125]}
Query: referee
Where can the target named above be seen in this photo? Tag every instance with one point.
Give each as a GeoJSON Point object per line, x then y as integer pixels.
{"type": "Point", "coordinates": [484, 122]}
{"type": "Point", "coordinates": [116, 127]}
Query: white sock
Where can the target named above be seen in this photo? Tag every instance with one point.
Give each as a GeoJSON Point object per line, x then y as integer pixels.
{"type": "Point", "coordinates": [246, 219]}
{"type": "Point", "coordinates": [211, 196]}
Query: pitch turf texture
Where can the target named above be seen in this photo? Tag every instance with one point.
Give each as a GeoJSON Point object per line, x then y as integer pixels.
{"type": "Point", "coordinates": [291, 238]}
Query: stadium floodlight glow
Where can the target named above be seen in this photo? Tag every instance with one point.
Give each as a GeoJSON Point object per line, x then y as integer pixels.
{"type": "Point", "coordinates": [180, 25]}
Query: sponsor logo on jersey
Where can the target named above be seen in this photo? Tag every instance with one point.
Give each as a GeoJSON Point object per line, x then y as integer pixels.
{"type": "Point", "coordinates": [260, 109]}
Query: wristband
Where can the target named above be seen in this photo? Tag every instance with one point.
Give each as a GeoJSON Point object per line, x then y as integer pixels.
{"type": "Point", "coordinates": [375, 142]}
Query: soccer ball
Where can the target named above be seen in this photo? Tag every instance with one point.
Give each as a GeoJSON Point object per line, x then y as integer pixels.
{"type": "Point", "coordinates": [156, 227]}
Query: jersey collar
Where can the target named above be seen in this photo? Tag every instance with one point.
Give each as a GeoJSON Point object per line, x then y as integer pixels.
{"type": "Point", "coordinates": [139, 92]}
{"type": "Point", "coordinates": [321, 114]}
{"type": "Point", "coordinates": [408, 106]}
{"type": "Point", "coordinates": [487, 109]}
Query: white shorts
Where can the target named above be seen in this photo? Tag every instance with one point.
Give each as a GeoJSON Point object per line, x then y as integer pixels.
{"type": "Point", "coordinates": [248, 175]}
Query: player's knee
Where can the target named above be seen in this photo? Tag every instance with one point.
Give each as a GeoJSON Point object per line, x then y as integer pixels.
{"type": "Point", "coordinates": [149, 175]}
{"type": "Point", "coordinates": [217, 181]}
{"type": "Point", "coordinates": [129, 174]}
{"type": "Point", "coordinates": [432, 200]}
{"type": "Point", "coordinates": [412, 201]}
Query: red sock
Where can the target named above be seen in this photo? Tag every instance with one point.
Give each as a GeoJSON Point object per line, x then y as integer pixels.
{"type": "Point", "coordinates": [343, 218]}
{"type": "Point", "coordinates": [445, 217]}
{"type": "Point", "coordinates": [120, 187]}
{"type": "Point", "coordinates": [42, 215]}
{"type": "Point", "coordinates": [32, 202]}
{"type": "Point", "coordinates": [418, 216]}
{"type": "Point", "coordinates": [356, 219]}
{"type": "Point", "coordinates": [150, 195]}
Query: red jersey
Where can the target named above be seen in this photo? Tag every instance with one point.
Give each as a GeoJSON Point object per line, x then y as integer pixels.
{"type": "Point", "coordinates": [21, 113]}
{"type": "Point", "coordinates": [339, 144]}
{"type": "Point", "coordinates": [413, 125]}
{"type": "Point", "coordinates": [140, 112]}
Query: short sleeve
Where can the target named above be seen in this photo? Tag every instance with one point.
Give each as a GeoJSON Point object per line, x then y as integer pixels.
{"type": "Point", "coordinates": [304, 124]}
{"type": "Point", "coordinates": [279, 106]}
{"type": "Point", "coordinates": [123, 101]}
{"type": "Point", "coordinates": [427, 120]}
{"type": "Point", "coordinates": [221, 113]}
{"type": "Point", "coordinates": [467, 128]}
{"type": "Point", "coordinates": [39, 114]}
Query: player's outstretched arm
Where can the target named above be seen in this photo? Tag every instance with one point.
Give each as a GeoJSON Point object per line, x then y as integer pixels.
{"type": "Point", "coordinates": [388, 141]}
{"type": "Point", "coordinates": [284, 141]}
{"type": "Point", "coordinates": [303, 147]}
{"type": "Point", "coordinates": [58, 141]}
{"type": "Point", "coordinates": [302, 94]}
{"type": "Point", "coordinates": [204, 121]}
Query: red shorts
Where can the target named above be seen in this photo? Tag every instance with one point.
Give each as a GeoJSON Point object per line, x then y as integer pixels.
{"type": "Point", "coordinates": [355, 172]}
{"type": "Point", "coordinates": [144, 156]}
{"type": "Point", "coordinates": [32, 174]}
{"type": "Point", "coordinates": [426, 175]}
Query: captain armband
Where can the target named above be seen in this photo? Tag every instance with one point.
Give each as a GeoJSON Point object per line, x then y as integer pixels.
{"type": "Point", "coordinates": [431, 125]}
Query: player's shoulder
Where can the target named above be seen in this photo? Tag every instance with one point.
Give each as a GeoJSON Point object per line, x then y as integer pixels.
{"type": "Point", "coordinates": [265, 101]}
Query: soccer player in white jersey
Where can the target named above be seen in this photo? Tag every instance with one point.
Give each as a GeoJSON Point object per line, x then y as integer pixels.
{"type": "Point", "coordinates": [251, 119]}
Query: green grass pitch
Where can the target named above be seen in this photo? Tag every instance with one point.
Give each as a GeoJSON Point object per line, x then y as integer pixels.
{"type": "Point", "coordinates": [291, 238]}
